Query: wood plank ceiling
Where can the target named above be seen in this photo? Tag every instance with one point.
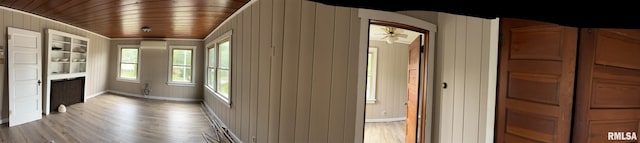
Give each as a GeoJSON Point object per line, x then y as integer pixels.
{"type": "Point", "coordinates": [124, 18]}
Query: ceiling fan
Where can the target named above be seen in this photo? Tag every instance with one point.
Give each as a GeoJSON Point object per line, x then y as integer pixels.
{"type": "Point", "coordinates": [391, 34]}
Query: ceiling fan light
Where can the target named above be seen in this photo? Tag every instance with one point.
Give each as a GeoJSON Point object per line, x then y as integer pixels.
{"type": "Point", "coordinates": [390, 40]}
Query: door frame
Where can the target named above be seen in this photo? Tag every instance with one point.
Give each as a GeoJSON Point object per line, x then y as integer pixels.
{"type": "Point", "coordinates": [366, 16]}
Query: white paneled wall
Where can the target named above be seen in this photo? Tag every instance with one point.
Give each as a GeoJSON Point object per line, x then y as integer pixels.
{"type": "Point", "coordinates": [467, 55]}
{"type": "Point", "coordinates": [154, 71]}
{"type": "Point", "coordinates": [391, 91]}
{"type": "Point", "coordinates": [293, 72]}
{"type": "Point", "coordinates": [98, 53]}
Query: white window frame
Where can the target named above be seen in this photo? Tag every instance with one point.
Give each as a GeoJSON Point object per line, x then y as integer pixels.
{"type": "Point", "coordinates": [213, 44]}
{"type": "Point", "coordinates": [371, 93]}
{"type": "Point", "coordinates": [120, 47]}
{"type": "Point", "coordinates": [170, 68]}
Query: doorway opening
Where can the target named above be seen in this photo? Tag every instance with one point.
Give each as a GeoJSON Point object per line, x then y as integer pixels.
{"type": "Point", "coordinates": [395, 98]}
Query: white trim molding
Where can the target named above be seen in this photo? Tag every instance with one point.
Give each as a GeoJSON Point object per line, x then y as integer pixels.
{"type": "Point", "coordinates": [385, 120]}
{"type": "Point", "coordinates": [94, 95]}
{"type": "Point", "coordinates": [398, 18]}
{"type": "Point", "coordinates": [235, 138]}
{"type": "Point", "coordinates": [120, 47]}
{"type": "Point", "coordinates": [193, 67]}
{"type": "Point", "coordinates": [154, 97]}
{"type": "Point", "coordinates": [163, 39]}
{"type": "Point", "coordinates": [372, 83]}
{"type": "Point", "coordinates": [228, 36]}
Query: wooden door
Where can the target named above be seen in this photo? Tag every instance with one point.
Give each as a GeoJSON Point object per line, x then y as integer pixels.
{"type": "Point", "coordinates": [412, 90]}
{"type": "Point", "coordinates": [608, 85]}
{"type": "Point", "coordinates": [536, 81]}
{"type": "Point", "coordinates": [25, 76]}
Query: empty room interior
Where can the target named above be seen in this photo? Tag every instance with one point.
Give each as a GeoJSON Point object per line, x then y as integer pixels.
{"type": "Point", "coordinates": [297, 71]}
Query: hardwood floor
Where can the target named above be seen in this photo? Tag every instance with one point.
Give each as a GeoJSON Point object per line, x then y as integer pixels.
{"type": "Point", "coordinates": [384, 132]}
{"type": "Point", "coordinates": [112, 118]}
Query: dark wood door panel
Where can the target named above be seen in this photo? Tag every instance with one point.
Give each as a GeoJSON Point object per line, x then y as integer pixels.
{"type": "Point", "coordinates": [608, 84]}
{"type": "Point", "coordinates": [532, 126]}
{"type": "Point", "coordinates": [539, 43]}
{"type": "Point", "coordinates": [599, 130]}
{"type": "Point", "coordinates": [510, 138]}
{"type": "Point", "coordinates": [610, 94]}
{"type": "Point", "coordinates": [615, 49]}
{"type": "Point", "coordinates": [541, 88]}
{"type": "Point", "coordinates": [615, 73]}
{"type": "Point", "coordinates": [536, 81]}
{"type": "Point", "coordinates": [535, 66]}
{"type": "Point", "coordinates": [617, 114]}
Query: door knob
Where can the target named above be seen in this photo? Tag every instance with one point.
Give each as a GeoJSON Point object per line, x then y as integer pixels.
{"type": "Point", "coordinates": [39, 82]}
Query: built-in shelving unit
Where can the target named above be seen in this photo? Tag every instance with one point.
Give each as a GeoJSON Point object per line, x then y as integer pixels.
{"type": "Point", "coordinates": [66, 58]}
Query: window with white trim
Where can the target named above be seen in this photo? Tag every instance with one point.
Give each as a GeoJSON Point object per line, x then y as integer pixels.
{"type": "Point", "coordinates": [219, 67]}
{"type": "Point", "coordinates": [181, 69]}
{"type": "Point", "coordinates": [372, 69]}
{"type": "Point", "coordinates": [129, 63]}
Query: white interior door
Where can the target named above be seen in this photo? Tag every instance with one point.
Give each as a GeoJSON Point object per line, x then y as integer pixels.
{"type": "Point", "coordinates": [25, 74]}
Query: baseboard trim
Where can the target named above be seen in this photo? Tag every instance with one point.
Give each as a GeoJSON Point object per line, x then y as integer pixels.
{"type": "Point", "coordinates": [5, 120]}
{"type": "Point", "coordinates": [154, 97]}
{"type": "Point", "coordinates": [94, 95]}
{"type": "Point", "coordinates": [385, 120]}
{"type": "Point", "coordinates": [235, 138]}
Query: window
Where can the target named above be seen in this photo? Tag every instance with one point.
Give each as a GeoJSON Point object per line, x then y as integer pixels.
{"type": "Point", "coordinates": [219, 67]}
{"type": "Point", "coordinates": [181, 69]}
{"type": "Point", "coordinates": [129, 63]}
{"type": "Point", "coordinates": [372, 68]}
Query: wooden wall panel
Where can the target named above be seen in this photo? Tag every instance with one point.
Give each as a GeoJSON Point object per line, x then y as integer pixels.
{"type": "Point", "coordinates": [321, 78]}
{"type": "Point", "coordinates": [352, 79]}
{"type": "Point", "coordinates": [98, 61]}
{"type": "Point", "coordinates": [290, 59]}
{"type": "Point", "coordinates": [305, 71]}
{"type": "Point", "coordinates": [292, 73]}
{"type": "Point", "coordinates": [461, 114]}
{"type": "Point", "coordinates": [246, 74]}
{"type": "Point", "coordinates": [255, 49]}
{"type": "Point", "coordinates": [236, 64]}
{"type": "Point", "coordinates": [264, 77]}
{"type": "Point", "coordinates": [339, 74]}
{"type": "Point", "coordinates": [460, 72]}
{"type": "Point", "coordinates": [276, 70]}
{"type": "Point", "coordinates": [473, 72]}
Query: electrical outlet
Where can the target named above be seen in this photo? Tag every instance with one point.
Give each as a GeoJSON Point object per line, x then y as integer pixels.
{"type": "Point", "coordinates": [384, 112]}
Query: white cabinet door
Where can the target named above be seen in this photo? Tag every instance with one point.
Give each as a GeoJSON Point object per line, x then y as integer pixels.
{"type": "Point", "coordinates": [24, 61]}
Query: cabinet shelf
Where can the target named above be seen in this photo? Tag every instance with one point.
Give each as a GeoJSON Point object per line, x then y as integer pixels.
{"type": "Point", "coordinates": [62, 45]}
{"type": "Point", "coordinates": [58, 41]}
{"type": "Point", "coordinates": [60, 51]}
